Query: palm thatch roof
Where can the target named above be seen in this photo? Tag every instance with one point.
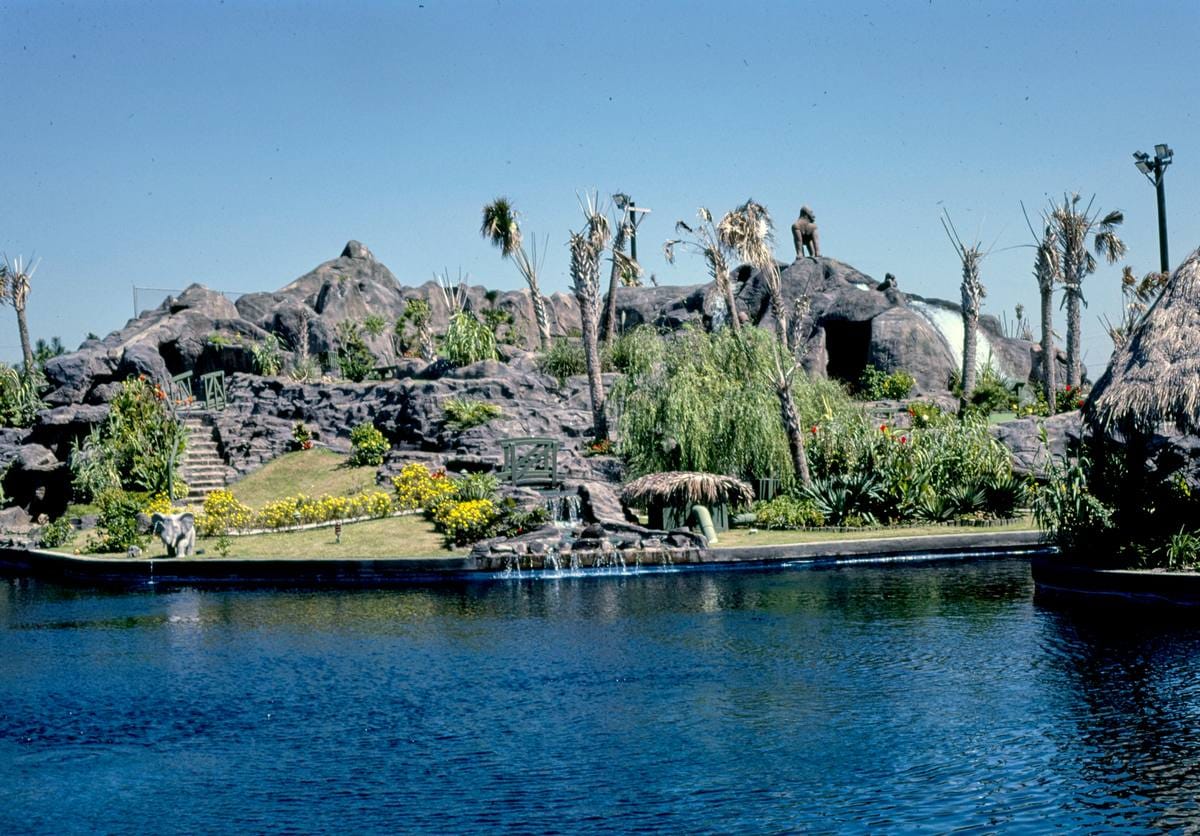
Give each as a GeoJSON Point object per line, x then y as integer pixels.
{"type": "Point", "coordinates": [1154, 378]}
{"type": "Point", "coordinates": [681, 488]}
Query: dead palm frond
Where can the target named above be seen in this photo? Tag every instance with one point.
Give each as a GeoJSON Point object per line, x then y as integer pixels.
{"type": "Point", "coordinates": [707, 241]}
{"type": "Point", "coordinates": [749, 232]}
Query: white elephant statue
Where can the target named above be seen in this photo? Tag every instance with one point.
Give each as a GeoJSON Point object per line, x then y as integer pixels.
{"type": "Point", "coordinates": [177, 531]}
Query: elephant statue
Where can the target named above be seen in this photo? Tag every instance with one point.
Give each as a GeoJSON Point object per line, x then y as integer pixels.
{"type": "Point", "coordinates": [177, 531]}
{"type": "Point", "coordinates": [804, 234]}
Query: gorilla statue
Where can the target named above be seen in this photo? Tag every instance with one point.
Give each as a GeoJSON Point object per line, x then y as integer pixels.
{"type": "Point", "coordinates": [804, 234]}
{"type": "Point", "coordinates": [177, 531]}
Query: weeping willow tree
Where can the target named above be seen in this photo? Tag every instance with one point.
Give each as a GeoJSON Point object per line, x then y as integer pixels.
{"type": "Point", "coordinates": [707, 241]}
{"type": "Point", "coordinates": [709, 404]}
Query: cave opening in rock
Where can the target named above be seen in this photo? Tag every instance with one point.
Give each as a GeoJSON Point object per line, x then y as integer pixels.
{"type": "Point", "coordinates": [847, 347]}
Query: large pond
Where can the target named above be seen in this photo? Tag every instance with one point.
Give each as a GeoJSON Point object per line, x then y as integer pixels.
{"type": "Point", "coordinates": [892, 697]}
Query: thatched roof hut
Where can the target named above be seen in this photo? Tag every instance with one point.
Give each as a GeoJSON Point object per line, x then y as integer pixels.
{"type": "Point", "coordinates": [681, 488]}
{"type": "Point", "coordinates": [1154, 379]}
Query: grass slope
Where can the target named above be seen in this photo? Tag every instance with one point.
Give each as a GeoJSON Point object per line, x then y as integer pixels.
{"type": "Point", "coordinates": [312, 472]}
{"type": "Point", "coordinates": [740, 537]}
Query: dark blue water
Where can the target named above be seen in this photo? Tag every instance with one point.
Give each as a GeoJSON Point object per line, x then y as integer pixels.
{"type": "Point", "coordinates": [890, 698]}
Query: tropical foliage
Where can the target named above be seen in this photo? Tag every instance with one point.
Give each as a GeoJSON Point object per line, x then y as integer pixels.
{"type": "Point", "coordinates": [354, 358]}
{"type": "Point", "coordinates": [468, 340]}
{"type": "Point", "coordinates": [140, 445]}
{"type": "Point", "coordinates": [564, 358]}
{"type": "Point", "coordinates": [877, 385]}
{"type": "Point", "coordinates": [19, 397]}
{"type": "Point", "coordinates": [501, 227]}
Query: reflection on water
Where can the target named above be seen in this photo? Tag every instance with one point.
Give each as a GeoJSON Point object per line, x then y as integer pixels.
{"type": "Point", "coordinates": [868, 698]}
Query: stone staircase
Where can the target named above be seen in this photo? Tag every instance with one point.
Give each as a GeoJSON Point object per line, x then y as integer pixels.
{"type": "Point", "coordinates": [203, 468]}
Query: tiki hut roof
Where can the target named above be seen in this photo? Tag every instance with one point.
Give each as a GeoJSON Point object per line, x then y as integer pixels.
{"type": "Point", "coordinates": [681, 488]}
{"type": "Point", "coordinates": [1155, 377]}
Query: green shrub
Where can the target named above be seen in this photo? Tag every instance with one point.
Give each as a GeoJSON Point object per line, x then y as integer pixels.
{"type": "Point", "coordinates": [374, 325]}
{"type": "Point", "coordinates": [19, 397]}
{"type": "Point", "coordinates": [924, 414]}
{"type": "Point", "coordinates": [56, 533]}
{"type": "Point", "coordinates": [468, 340]}
{"type": "Point", "coordinates": [117, 523]}
{"type": "Point", "coordinates": [564, 358]}
{"type": "Point", "coordinates": [513, 521]}
{"type": "Point", "coordinates": [1183, 550]}
{"type": "Point", "coordinates": [634, 351]}
{"type": "Point", "coordinates": [368, 446]}
{"type": "Point", "coordinates": [786, 512]}
{"type": "Point", "coordinates": [476, 486]}
{"type": "Point", "coordinates": [992, 392]}
{"type": "Point", "coordinates": [464, 413]}
{"type": "Point", "coordinates": [268, 355]}
{"type": "Point", "coordinates": [354, 358]}
{"type": "Point", "coordinates": [1077, 522]}
{"type": "Point", "coordinates": [878, 385]}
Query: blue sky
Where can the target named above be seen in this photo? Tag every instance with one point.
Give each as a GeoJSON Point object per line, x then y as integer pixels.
{"type": "Point", "coordinates": [239, 144]}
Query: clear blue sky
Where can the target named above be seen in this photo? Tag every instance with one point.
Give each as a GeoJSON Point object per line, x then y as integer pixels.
{"type": "Point", "coordinates": [239, 144]}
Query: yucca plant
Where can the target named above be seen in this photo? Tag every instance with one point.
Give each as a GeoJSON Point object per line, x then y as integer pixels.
{"type": "Point", "coordinates": [707, 241]}
{"type": "Point", "coordinates": [14, 288]}
{"type": "Point", "coordinates": [973, 291]}
{"type": "Point", "coordinates": [501, 227]}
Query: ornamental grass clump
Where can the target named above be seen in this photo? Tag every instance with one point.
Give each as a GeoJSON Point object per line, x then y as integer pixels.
{"type": "Point", "coordinates": [465, 413]}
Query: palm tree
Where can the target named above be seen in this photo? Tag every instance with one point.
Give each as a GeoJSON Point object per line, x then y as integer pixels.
{"type": "Point", "coordinates": [1046, 271]}
{"type": "Point", "coordinates": [747, 231]}
{"type": "Point", "coordinates": [500, 226]}
{"type": "Point", "coordinates": [708, 243]}
{"type": "Point", "coordinates": [14, 288]}
{"type": "Point", "coordinates": [587, 246]}
{"type": "Point", "coordinates": [621, 263]}
{"type": "Point", "coordinates": [1072, 227]}
{"type": "Point", "coordinates": [973, 292]}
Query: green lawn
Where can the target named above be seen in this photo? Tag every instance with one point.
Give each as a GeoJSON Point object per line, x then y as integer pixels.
{"type": "Point", "coordinates": [314, 472]}
{"type": "Point", "coordinates": [409, 536]}
{"type": "Point", "coordinates": [741, 537]}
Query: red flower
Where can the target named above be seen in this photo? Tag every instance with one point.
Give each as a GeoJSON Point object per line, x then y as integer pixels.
{"type": "Point", "coordinates": [1080, 404]}
{"type": "Point", "coordinates": [903, 439]}
{"type": "Point", "coordinates": [883, 428]}
{"type": "Point", "coordinates": [1067, 388]}
{"type": "Point", "coordinates": [814, 429]}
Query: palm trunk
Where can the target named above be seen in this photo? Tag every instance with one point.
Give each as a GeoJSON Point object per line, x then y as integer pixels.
{"type": "Point", "coordinates": [539, 314]}
{"type": "Point", "coordinates": [591, 350]}
{"type": "Point", "coordinates": [26, 349]}
{"type": "Point", "coordinates": [1049, 361]}
{"type": "Point", "coordinates": [428, 350]}
{"type": "Point", "coordinates": [778, 308]}
{"type": "Point", "coordinates": [731, 302]}
{"type": "Point", "coordinates": [791, 425]}
{"type": "Point", "coordinates": [970, 340]}
{"type": "Point", "coordinates": [1074, 361]}
{"type": "Point", "coordinates": [614, 279]}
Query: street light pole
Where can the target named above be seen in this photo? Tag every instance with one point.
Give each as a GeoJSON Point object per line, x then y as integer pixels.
{"type": "Point", "coordinates": [1153, 169]}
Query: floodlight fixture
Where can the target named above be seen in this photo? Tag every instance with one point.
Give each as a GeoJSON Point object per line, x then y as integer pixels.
{"type": "Point", "coordinates": [1153, 170]}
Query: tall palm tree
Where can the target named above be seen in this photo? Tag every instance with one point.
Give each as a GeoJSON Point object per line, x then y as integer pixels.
{"type": "Point", "coordinates": [587, 246]}
{"type": "Point", "coordinates": [973, 291]}
{"type": "Point", "coordinates": [1046, 271]}
{"type": "Point", "coordinates": [500, 226]}
{"type": "Point", "coordinates": [747, 231]}
{"type": "Point", "coordinates": [620, 264]}
{"type": "Point", "coordinates": [1072, 227]}
{"type": "Point", "coordinates": [14, 288]}
{"type": "Point", "coordinates": [707, 242]}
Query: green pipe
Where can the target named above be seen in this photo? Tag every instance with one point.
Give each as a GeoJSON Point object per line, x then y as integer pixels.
{"type": "Point", "coordinates": [706, 523]}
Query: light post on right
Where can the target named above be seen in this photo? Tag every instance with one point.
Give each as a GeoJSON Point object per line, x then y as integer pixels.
{"type": "Point", "coordinates": [1153, 168]}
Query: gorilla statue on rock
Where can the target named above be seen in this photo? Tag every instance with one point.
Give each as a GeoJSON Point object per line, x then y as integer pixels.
{"type": "Point", "coordinates": [804, 234]}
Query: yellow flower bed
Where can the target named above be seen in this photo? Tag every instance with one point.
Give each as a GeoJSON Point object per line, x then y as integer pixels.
{"type": "Point", "coordinates": [160, 503]}
{"type": "Point", "coordinates": [418, 487]}
{"type": "Point", "coordinates": [465, 522]}
{"type": "Point", "coordinates": [223, 512]}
